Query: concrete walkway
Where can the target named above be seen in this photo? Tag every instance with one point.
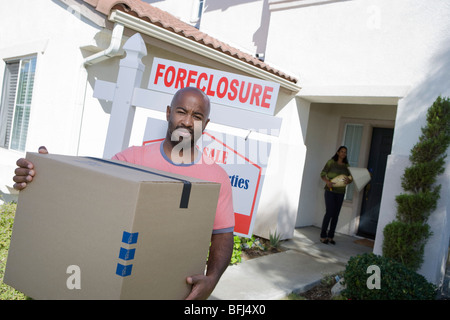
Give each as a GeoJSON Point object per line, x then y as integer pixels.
{"type": "Point", "coordinates": [305, 262]}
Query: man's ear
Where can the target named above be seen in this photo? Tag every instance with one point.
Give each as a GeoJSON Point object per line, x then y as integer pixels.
{"type": "Point", "coordinates": [167, 113]}
{"type": "Point", "coordinates": [206, 123]}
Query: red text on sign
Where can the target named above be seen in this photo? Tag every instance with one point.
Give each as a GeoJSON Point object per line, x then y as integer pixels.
{"type": "Point", "coordinates": [245, 92]}
{"type": "Point", "coordinates": [219, 156]}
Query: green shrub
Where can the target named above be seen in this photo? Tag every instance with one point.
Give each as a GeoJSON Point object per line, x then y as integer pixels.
{"type": "Point", "coordinates": [406, 242]}
{"type": "Point", "coordinates": [416, 207]}
{"type": "Point", "coordinates": [244, 243]}
{"type": "Point", "coordinates": [404, 239]}
{"type": "Point", "coordinates": [397, 282]}
{"type": "Point", "coordinates": [237, 251]}
{"type": "Point", "coordinates": [274, 239]}
{"type": "Point", "coordinates": [421, 176]}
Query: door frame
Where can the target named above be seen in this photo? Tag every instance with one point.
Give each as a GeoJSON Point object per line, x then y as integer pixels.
{"type": "Point", "coordinates": [368, 124]}
{"type": "Point", "coordinates": [375, 159]}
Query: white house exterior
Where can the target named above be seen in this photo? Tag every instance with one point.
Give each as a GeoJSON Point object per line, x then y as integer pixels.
{"type": "Point", "coordinates": [375, 63]}
{"type": "Point", "coordinates": [360, 64]}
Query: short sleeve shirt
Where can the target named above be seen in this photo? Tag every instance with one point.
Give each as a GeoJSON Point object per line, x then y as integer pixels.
{"type": "Point", "coordinates": [153, 156]}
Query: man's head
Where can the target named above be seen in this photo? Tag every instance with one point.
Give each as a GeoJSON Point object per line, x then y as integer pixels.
{"type": "Point", "coordinates": [187, 115]}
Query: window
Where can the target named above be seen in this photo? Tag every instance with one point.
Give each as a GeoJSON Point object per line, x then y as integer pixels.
{"type": "Point", "coordinates": [352, 140]}
{"type": "Point", "coordinates": [15, 104]}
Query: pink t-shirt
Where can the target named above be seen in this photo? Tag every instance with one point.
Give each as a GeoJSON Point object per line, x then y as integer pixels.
{"type": "Point", "coordinates": [153, 156]}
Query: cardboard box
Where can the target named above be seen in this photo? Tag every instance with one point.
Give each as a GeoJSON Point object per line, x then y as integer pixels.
{"type": "Point", "coordinates": [361, 177]}
{"type": "Point", "coordinates": [88, 228]}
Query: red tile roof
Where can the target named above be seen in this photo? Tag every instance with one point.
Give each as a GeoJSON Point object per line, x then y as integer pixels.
{"type": "Point", "coordinates": [167, 21]}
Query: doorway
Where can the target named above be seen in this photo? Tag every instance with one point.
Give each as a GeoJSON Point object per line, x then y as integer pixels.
{"type": "Point", "coordinates": [380, 148]}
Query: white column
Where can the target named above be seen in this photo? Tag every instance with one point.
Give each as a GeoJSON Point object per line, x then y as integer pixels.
{"type": "Point", "coordinates": [122, 114]}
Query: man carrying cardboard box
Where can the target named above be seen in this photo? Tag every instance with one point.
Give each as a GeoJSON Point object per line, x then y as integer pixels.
{"type": "Point", "coordinates": [187, 117]}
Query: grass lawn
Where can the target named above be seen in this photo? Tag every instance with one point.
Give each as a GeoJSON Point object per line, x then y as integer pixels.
{"type": "Point", "coordinates": [7, 212]}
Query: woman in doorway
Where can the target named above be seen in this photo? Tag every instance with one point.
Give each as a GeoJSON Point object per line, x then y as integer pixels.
{"type": "Point", "coordinates": [336, 168]}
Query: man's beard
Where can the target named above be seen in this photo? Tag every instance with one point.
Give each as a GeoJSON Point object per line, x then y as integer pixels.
{"type": "Point", "coordinates": [183, 135]}
{"type": "Point", "coordinates": [183, 141]}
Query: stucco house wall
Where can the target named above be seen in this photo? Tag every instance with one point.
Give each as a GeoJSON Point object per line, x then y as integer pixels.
{"type": "Point", "coordinates": [362, 54]}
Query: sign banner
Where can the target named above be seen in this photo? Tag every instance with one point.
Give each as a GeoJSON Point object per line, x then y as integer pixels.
{"type": "Point", "coordinates": [222, 87]}
{"type": "Point", "coordinates": [245, 161]}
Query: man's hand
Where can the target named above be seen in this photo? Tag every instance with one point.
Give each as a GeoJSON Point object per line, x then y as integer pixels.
{"type": "Point", "coordinates": [25, 172]}
{"type": "Point", "coordinates": [202, 286]}
{"type": "Point", "coordinates": [219, 257]}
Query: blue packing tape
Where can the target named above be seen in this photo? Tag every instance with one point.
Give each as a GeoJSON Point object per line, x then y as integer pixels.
{"type": "Point", "coordinates": [124, 270]}
{"type": "Point", "coordinates": [127, 254]}
{"type": "Point", "coordinates": [130, 238]}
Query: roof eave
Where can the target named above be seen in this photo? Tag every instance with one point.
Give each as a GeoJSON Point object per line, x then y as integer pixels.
{"type": "Point", "coordinates": [157, 32]}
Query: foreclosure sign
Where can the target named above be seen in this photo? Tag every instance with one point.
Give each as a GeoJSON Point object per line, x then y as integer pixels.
{"type": "Point", "coordinates": [222, 87]}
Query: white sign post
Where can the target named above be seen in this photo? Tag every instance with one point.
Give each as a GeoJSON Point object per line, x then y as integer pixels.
{"type": "Point", "coordinates": [122, 112]}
